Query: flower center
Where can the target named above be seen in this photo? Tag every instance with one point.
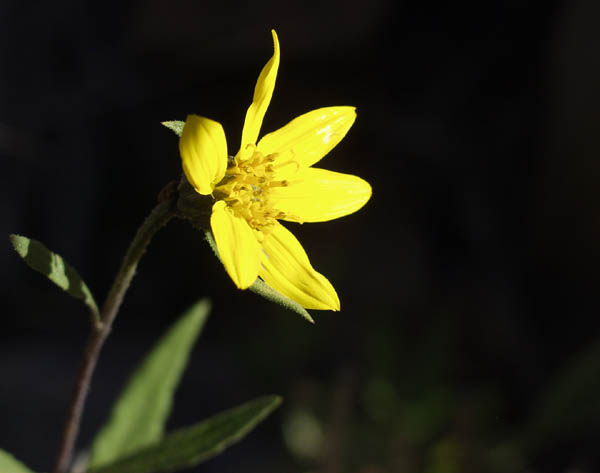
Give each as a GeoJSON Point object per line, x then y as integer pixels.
{"type": "Point", "coordinates": [247, 185]}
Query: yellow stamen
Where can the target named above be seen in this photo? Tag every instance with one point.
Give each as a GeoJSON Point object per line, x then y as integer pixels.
{"type": "Point", "coordinates": [247, 184]}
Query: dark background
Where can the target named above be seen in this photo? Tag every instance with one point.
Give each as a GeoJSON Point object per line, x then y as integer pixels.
{"type": "Point", "coordinates": [468, 339]}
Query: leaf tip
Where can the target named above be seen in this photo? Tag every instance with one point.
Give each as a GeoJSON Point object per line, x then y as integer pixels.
{"type": "Point", "coordinates": [174, 125]}
{"type": "Point", "coordinates": [271, 402]}
{"type": "Point", "coordinates": [277, 400]}
{"type": "Point", "coordinates": [20, 244]}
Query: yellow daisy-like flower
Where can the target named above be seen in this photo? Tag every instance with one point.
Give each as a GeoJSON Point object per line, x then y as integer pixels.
{"type": "Point", "coordinates": [269, 181]}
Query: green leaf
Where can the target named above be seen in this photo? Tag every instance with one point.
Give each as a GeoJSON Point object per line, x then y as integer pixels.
{"type": "Point", "coordinates": [263, 289]}
{"type": "Point", "coordinates": [55, 268]}
{"type": "Point", "coordinates": [189, 446]}
{"type": "Point", "coordinates": [9, 464]}
{"type": "Point", "coordinates": [175, 125]}
{"type": "Point", "coordinates": [138, 418]}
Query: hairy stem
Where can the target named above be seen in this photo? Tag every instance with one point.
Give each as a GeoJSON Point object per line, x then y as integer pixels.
{"type": "Point", "coordinates": [159, 216]}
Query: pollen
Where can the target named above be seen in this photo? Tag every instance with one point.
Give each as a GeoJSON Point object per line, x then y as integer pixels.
{"type": "Point", "coordinates": [247, 186]}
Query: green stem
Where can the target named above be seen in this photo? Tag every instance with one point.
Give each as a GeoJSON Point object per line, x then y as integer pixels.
{"type": "Point", "coordinates": [159, 216]}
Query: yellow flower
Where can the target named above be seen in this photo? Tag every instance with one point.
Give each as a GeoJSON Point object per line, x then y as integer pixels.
{"type": "Point", "coordinates": [269, 181]}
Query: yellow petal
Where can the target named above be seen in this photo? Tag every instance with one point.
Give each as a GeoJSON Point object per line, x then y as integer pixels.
{"type": "Point", "coordinates": [238, 248]}
{"type": "Point", "coordinates": [262, 97]}
{"type": "Point", "coordinates": [307, 138]}
{"type": "Point", "coordinates": [286, 268]}
{"type": "Point", "coordinates": [318, 195]}
{"type": "Point", "coordinates": [203, 150]}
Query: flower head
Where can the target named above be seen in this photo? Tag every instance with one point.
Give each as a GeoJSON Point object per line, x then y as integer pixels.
{"type": "Point", "coordinates": [269, 181]}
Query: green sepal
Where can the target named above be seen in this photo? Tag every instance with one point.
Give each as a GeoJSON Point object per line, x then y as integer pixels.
{"type": "Point", "coordinates": [55, 268]}
{"type": "Point", "coordinates": [192, 206]}
{"type": "Point", "coordinates": [190, 446]}
{"type": "Point", "coordinates": [175, 125]}
{"type": "Point", "coordinates": [138, 418]}
{"type": "Point", "coordinates": [9, 464]}
{"type": "Point", "coordinates": [263, 289]}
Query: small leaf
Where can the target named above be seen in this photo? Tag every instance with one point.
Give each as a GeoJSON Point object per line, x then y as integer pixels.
{"type": "Point", "coordinates": [263, 289]}
{"type": "Point", "coordinates": [55, 268]}
{"type": "Point", "coordinates": [138, 418]}
{"type": "Point", "coordinates": [175, 125]}
{"type": "Point", "coordinates": [189, 446]}
{"type": "Point", "coordinates": [9, 464]}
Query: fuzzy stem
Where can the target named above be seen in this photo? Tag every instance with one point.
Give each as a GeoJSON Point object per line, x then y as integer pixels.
{"type": "Point", "coordinates": [159, 216]}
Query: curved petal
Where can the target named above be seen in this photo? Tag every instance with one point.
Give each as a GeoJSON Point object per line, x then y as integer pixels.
{"type": "Point", "coordinates": [286, 268]}
{"type": "Point", "coordinates": [318, 195]}
{"type": "Point", "coordinates": [238, 248]}
{"type": "Point", "coordinates": [307, 138]}
{"type": "Point", "coordinates": [203, 150]}
{"type": "Point", "coordinates": [262, 97]}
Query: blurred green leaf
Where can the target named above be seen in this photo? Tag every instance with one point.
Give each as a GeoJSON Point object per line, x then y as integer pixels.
{"type": "Point", "coordinates": [189, 446]}
{"type": "Point", "coordinates": [570, 403]}
{"type": "Point", "coordinates": [303, 433]}
{"type": "Point", "coordinates": [447, 456]}
{"type": "Point", "coordinates": [54, 267]}
{"type": "Point", "coordinates": [380, 400]}
{"type": "Point", "coordinates": [9, 464]}
{"type": "Point", "coordinates": [504, 458]}
{"type": "Point", "coordinates": [175, 125]}
{"type": "Point", "coordinates": [138, 418]}
{"type": "Point", "coordinates": [263, 289]}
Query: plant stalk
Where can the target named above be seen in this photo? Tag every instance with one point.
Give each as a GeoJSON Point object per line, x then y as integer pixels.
{"type": "Point", "coordinates": [160, 215]}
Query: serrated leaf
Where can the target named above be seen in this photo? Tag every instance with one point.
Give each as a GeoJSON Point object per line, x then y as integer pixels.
{"type": "Point", "coordinates": [192, 445]}
{"type": "Point", "coordinates": [54, 267]}
{"type": "Point", "coordinates": [175, 125]}
{"type": "Point", "coordinates": [263, 289]}
{"type": "Point", "coordinates": [139, 416]}
{"type": "Point", "coordinates": [9, 464]}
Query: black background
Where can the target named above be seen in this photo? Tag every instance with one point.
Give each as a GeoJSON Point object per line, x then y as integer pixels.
{"type": "Point", "coordinates": [468, 283]}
